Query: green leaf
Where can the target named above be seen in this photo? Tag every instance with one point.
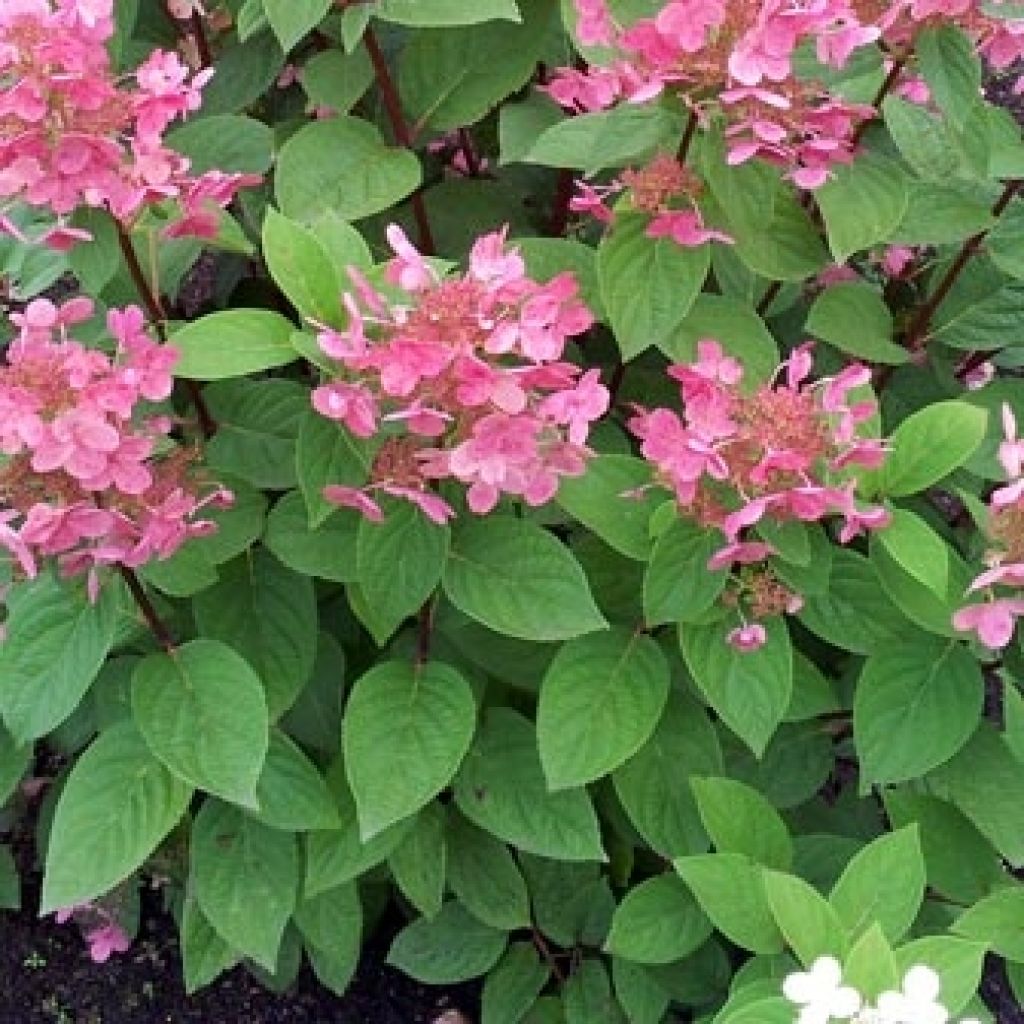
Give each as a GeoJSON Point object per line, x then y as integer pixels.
{"type": "Point", "coordinates": [118, 804]}
{"type": "Point", "coordinates": [338, 855]}
{"type": "Point", "coordinates": [928, 445]}
{"type": "Point", "coordinates": [400, 562]}
{"type": "Point", "coordinates": [230, 143]}
{"type": "Point", "coordinates": [740, 331]}
{"type": "Point", "coordinates": [56, 641]}
{"type": "Point", "coordinates": [653, 786]}
{"type": "Point", "coordinates": [511, 988]}
{"type": "Point", "coordinates": [597, 500]}
{"type": "Point", "coordinates": [205, 955]}
{"type": "Point", "coordinates": [855, 319]}
{"type": "Point", "coordinates": [678, 585]}
{"type": "Point", "coordinates": [806, 919]}
{"type": "Point", "coordinates": [998, 922]}
{"type": "Point", "coordinates": [14, 759]}
{"type": "Point", "coordinates": [740, 820]}
{"type": "Point", "coordinates": [451, 77]}
{"type": "Point", "coordinates": [883, 884]}
{"type": "Point", "coordinates": [232, 343]}
{"type": "Point", "coordinates": [501, 788]}
{"type": "Point", "coordinates": [863, 204]}
{"type": "Point", "coordinates": [483, 875]}
{"type": "Point", "coordinates": [588, 998]}
{"type": "Point", "coordinates": [342, 165]}
{"type": "Point", "coordinates": [600, 701]}
{"type": "Point", "coordinates": [246, 879]}
{"type": "Point", "coordinates": [203, 713]}
{"type": "Point", "coordinates": [950, 66]}
{"type": "Point", "coordinates": [419, 863]}
{"type": "Point", "coordinates": [917, 548]}
{"type": "Point", "coordinates": [750, 691]}
{"type": "Point", "coordinates": [658, 922]}
{"type": "Point", "coordinates": [941, 214]}
{"type": "Point", "coordinates": [326, 453]}
{"type": "Point", "coordinates": [519, 580]}
{"type": "Point", "coordinates": [331, 924]}
{"type": "Point", "coordinates": [922, 139]}
{"type": "Point", "coordinates": [405, 732]}
{"type": "Point", "coordinates": [1004, 242]}
{"type": "Point", "coordinates": [870, 965]}
{"type": "Point", "coordinates": [960, 862]}
{"type": "Point", "coordinates": [337, 80]}
{"type": "Point", "coordinates": [639, 992]}
{"type": "Point", "coordinates": [290, 20]}
{"type": "Point", "coordinates": [648, 285]}
{"type": "Point", "coordinates": [291, 793]}
{"type": "Point", "coordinates": [451, 948]}
{"type": "Point", "coordinates": [446, 12]}
{"type": "Point", "coordinates": [592, 142]}
{"type": "Point", "coordinates": [854, 613]}
{"type": "Point", "coordinates": [957, 962]}
{"type": "Point", "coordinates": [301, 268]}
{"type": "Point", "coordinates": [327, 550]}
{"type": "Point", "coordinates": [984, 781]}
{"type": "Point", "coordinates": [257, 426]}
{"type": "Point", "coordinates": [258, 589]}
{"type": "Point", "coordinates": [729, 888]}
{"type": "Point", "coordinates": [917, 703]}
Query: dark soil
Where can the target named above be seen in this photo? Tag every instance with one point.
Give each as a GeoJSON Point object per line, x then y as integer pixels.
{"type": "Point", "coordinates": [46, 977]}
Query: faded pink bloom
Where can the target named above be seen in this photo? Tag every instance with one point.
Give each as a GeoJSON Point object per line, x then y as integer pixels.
{"type": "Point", "coordinates": [993, 621]}
{"type": "Point", "coordinates": [749, 638]}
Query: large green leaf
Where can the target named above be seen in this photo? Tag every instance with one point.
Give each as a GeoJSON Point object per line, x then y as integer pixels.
{"type": "Point", "coordinates": [750, 691]}
{"type": "Point", "coordinates": [246, 879]}
{"type": "Point", "coordinates": [292, 19]}
{"type": "Point", "coordinates": [647, 284]}
{"type": "Point", "coordinates": [332, 928]}
{"type": "Point", "coordinates": [501, 788]}
{"type": "Point", "coordinates": [917, 703]}
{"type": "Point", "coordinates": [511, 988]}
{"type": "Point", "coordinates": [343, 165]}
{"type": "Point", "coordinates": [405, 732]}
{"type": "Point", "coordinates": [203, 713]}
{"type": "Point", "coordinates": [600, 701]}
{"type": "Point", "coordinates": [232, 343]}
{"type": "Point", "coordinates": [116, 807]}
{"type": "Point", "coordinates": [291, 793]}
{"type": "Point", "coordinates": [811, 927]}
{"type": "Point", "coordinates": [452, 947]}
{"type": "Point", "coordinates": [419, 863]}
{"type": "Point", "coordinates": [658, 922]}
{"type": "Point", "coordinates": [259, 589]}
{"type": "Point", "coordinates": [519, 580]}
{"type": "Point", "coordinates": [678, 585]}
{"type": "Point", "coordinates": [654, 785]}
{"type": "Point", "coordinates": [883, 884]}
{"type": "Point", "coordinates": [855, 319]}
{"type": "Point", "coordinates": [998, 922]}
{"type": "Point", "coordinates": [446, 12]}
{"type": "Point", "coordinates": [56, 641]}
{"type": "Point", "coordinates": [741, 820]}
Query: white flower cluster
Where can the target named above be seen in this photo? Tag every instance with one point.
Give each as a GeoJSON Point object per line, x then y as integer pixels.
{"type": "Point", "coordinates": [822, 997]}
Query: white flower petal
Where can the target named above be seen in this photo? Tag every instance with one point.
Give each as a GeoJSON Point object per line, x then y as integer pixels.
{"type": "Point", "coordinates": [813, 1014]}
{"type": "Point", "coordinates": [799, 988]}
{"type": "Point", "coordinates": [895, 1007]}
{"type": "Point", "coordinates": [844, 1003]}
{"type": "Point", "coordinates": [922, 984]}
{"type": "Point", "coordinates": [827, 972]}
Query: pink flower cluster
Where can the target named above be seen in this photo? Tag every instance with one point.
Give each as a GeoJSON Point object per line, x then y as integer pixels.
{"type": "Point", "coordinates": [994, 620]}
{"type": "Point", "coordinates": [85, 480]}
{"type": "Point", "coordinates": [734, 458]}
{"type": "Point", "coordinates": [466, 381]}
{"type": "Point", "coordinates": [72, 134]}
{"type": "Point", "coordinates": [101, 929]}
{"type": "Point", "coordinates": [666, 190]}
{"type": "Point", "coordinates": [740, 53]}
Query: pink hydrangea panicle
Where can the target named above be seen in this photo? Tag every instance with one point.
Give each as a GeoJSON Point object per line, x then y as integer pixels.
{"type": "Point", "coordinates": [994, 621]}
{"type": "Point", "coordinates": [1011, 449]}
{"type": "Point", "coordinates": [83, 483]}
{"type": "Point", "coordinates": [739, 457]}
{"type": "Point", "coordinates": [464, 380]}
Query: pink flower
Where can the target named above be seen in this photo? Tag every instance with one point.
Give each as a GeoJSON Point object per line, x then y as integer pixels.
{"type": "Point", "coordinates": [1011, 450]}
{"type": "Point", "coordinates": [686, 228]}
{"type": "Point", "coordinates": [748, 639]}
{"type": "Point", "coordinates": [105, 941]}
{"type": "Point", "coordinates": [993, 621]}
{"type": "Point", "coordinates": [743, 552]}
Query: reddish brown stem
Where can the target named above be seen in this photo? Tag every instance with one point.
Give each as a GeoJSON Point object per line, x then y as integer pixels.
{"type": "Point", "coordinates": [425, 632]}
{"type": "Point", "coordinates": [769, 297]}
{"type": "Point", "coordinates": [917, 333]}
{"type": "Point", "coordinates": [469, 150]}
{"type": "Point", "coordinates": [157, 316]}
{"type": "Point", "coordinates": [688, 136]}
{"type": "Point", "coordinates": [393, 106]}
{"type": "Point", "coordinates": [157, 627]}
{"type": "Point", "coordinates": [545, 951]}
{"type": "Point", "coordinates": [886, 87]}
{"type": "Point", "coordinates": [202, 43]}
{"type": "Point", "coordinates": [560, 208]}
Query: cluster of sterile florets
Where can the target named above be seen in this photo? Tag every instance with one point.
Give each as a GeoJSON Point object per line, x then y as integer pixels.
{"type": "Point", "coordinates": [464, 379]}
{"type": "Point", "coordinates": [665, 190]}
{"type": "Point", "coordinates": [735, 457]}
{"type": "Point", "coordinates": [87, 477]}
{"type": "Point", "coordinates": [73, 133]}
{"type": "Point", "coordinates": [994, 619]}
{"type": "Point", "coordinates": [735, 59]}
{"type": "Point", "coordinates": [822, 997]}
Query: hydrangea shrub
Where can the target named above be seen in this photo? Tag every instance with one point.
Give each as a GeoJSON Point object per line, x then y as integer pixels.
{"type": "Point", "coordinates": [543, 473]}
